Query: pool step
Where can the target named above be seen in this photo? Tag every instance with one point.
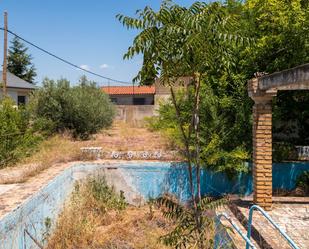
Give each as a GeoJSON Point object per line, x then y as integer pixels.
{"type": "Point", "coordinates": [238, 241]}
{"type": "Point", "coordinates": [258, 240]}
{"type": "Point", "coordinates": [264, 236]}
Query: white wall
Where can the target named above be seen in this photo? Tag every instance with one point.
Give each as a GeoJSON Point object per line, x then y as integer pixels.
{"type": "Point", "coordinates": [14, 93]}
{"type": "Point", "coordinates": [134, 114]}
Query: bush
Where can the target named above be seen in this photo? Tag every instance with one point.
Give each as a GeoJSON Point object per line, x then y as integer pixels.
{"type": "Point", "coordinates": [284, 151]}
{"type": "Point", "coordinates": [302, 181]}
{"type": "Point", "coordinates": [216, 152]}
{"type": "Point", "coordinates": [17, 137]}
{"type": "Point", "coordinates": [152, 123]}
{"type": "Point", "coordinates": [91, 203]}
{"type": "Point", "coordinates": [82, 109]}
{"type": "Point", "coordinates": [104, 195]}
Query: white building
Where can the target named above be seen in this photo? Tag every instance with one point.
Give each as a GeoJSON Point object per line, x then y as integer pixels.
{"type": "Point", "coordinates": [18, 89]}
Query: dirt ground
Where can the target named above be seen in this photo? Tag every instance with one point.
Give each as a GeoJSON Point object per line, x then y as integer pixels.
{"type": "Point", "coordinates": [123, 137]}
{"type": "Point", "coordinates": [136, 228]}
{"type": "Point", "coordinates": [62, 149]}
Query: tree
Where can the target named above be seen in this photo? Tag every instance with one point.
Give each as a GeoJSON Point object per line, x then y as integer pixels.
{"type": "Point", "coordinates": [177, 42]}
{"type": "Point", "coordinates": [83, 109]}
{"type": "Point", "coordinates": [280, 31]}
{"type": "Point", "coordinates": [83, 81]}
{"type": "Point", "coordinates": [19, 61]}
{"type": "Point", "coordinates": [18, 138]}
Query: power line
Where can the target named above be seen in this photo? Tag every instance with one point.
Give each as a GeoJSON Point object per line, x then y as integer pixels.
{"type": "Point", "coordinates": [68, 62]}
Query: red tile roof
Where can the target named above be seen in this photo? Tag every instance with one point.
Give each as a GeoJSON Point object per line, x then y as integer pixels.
{"type": "Point", "coordinates": [128, 90]}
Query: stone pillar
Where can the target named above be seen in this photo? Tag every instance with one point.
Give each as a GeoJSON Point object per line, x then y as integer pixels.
{"type": "Point", "coordinates": [262, 152]}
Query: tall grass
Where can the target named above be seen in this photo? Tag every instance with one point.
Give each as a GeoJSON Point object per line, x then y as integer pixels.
{"type": "Point", "coordinates": [97, 217]}
{"type": "Point", "coordinates": [88, 208]}
{"type": "Point", "coordinates": [56, 149]}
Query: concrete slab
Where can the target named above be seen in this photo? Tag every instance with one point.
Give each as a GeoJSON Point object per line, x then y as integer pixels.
{"type": "Point", "coordinates": [14, 195]}
{"type": "Point", "coordinates": [5, 188]}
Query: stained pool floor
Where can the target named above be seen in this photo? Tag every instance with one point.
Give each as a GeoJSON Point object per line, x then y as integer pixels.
{"type": "Point", "coordinates": [293, 217]}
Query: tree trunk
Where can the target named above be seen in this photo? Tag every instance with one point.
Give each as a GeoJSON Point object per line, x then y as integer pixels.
{"type": "Point", "coordinates": [187, 145]}
{"type": "Point", "coordinates": [194, 125]}
{"type": "Point", "coordinates": [197, 136]}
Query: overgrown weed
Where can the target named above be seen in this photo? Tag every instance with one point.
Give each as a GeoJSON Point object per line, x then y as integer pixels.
{"type": "Point", "coordinates": [99, 218]}
{"type": "Point", "coordinates": [88, 208]}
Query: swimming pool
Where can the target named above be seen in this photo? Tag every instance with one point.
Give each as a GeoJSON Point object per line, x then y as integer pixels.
{"type": "Point", "coordinates": [147, 179]}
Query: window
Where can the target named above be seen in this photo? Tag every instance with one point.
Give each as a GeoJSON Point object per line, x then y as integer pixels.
{"type": "Point", "coordinates": [139, 101]}
{"type": "Point", "coordinates": [21, 100]}
{"type": "Point", "coordinates": [114, 100]}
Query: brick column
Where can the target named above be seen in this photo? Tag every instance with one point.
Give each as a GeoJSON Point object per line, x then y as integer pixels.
{"type": "Point", "coordinates": [262, 152]}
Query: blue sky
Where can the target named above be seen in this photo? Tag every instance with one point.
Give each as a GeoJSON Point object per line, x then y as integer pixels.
{"type": "Point", "coordinates": [83, 32]}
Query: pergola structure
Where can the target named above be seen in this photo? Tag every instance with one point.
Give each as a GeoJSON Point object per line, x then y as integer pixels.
{"type": "Point", "coordinates": [262, 90]}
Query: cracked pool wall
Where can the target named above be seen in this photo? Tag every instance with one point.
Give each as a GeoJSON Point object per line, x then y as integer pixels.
{"type": "Point", "coordinates": [139, 181]}
{"type": "Point", "coordinates": [43, 205]}
{"type": "Point", "coordinates": [150, 180]}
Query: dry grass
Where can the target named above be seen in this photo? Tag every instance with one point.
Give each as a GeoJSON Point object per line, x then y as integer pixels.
{"type": "Point", "coordinates": [57, 149]}
{"type": "Point", "coordinates": [134, 228]}
{"type": "Point", "coordinates": [92, 223]}
{"type": "Point", "coordinates": [63, 149]}
{"type": "Point", "coordinates": [123, 137]}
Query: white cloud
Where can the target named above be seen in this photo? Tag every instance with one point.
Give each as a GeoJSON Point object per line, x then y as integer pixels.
{"type": "Point", "coordinates": [86, 67]}
{"type": "Point", "coordinates": [103, 66]}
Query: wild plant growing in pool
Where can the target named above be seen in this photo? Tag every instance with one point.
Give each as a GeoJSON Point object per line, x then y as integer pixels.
{"type": "Point", "coordinates": [187, 42]}
{"type": "Point", "coordinates": [91, 200]}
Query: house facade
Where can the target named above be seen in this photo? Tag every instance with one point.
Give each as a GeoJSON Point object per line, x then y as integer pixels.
{"type": "Point", "coordinates": [136, 103]}
{"type": "Point", "coordinates": [18, 89]}
{"type": "Point", "coordinates": [133, 103]}
{"type": "Point", "coordinates": [129, 95]}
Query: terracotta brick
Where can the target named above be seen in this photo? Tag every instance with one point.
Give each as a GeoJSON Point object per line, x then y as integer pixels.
{"type": "Point", "coordinates": [263, 135]}
{"type": "Point", "coordinates": [262, 170]}
{"type": "Point", "coordinates": [263, 144]}
{"type": "Point", "coordinates": [264, 132]}
{"type": "Point", "coordinates": [263, 161]}
{"type": "Point", "coordinates": [259, 200]}
{"type": "Point", "coordinates": [263, 157]}
{"type": "Point", "coordinates": [264, 127]}
{"type": "Point", "coordinates": [262, 154]}
{"type": "Point", "coordinates": [261, 187]}
{"type": "Point", "coordinates": [265, 122]}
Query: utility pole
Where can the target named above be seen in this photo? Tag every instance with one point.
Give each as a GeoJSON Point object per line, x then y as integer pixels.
{"type": "Point", "coordinates": [5, 63]}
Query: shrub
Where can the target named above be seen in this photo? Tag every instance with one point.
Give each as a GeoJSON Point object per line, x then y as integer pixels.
{"type": "Point", "coordinates": [82, 109]}
{"type": "Point", "coordinates": [284, 151]}
{"type": "Point", "coordinates": [88, 209]}
{"type": "Point", "coordinates": [187, 233]}
{"type": "Point", "coordinates": [17, 137]}
{"type": "Point", "coordinates": [151, 123]}
{"type": "Point", "coordinates": [302, 181]}
{"type": "Point", "coordinates": [215, 150]}
{"type": "Point", "coordinates": [104, 195]}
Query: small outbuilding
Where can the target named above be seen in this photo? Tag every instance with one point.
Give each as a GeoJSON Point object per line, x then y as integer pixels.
{"type": "Point", "coordinates": [18, 89]}
{"type": "Point", "coordinates": [131, 95]}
